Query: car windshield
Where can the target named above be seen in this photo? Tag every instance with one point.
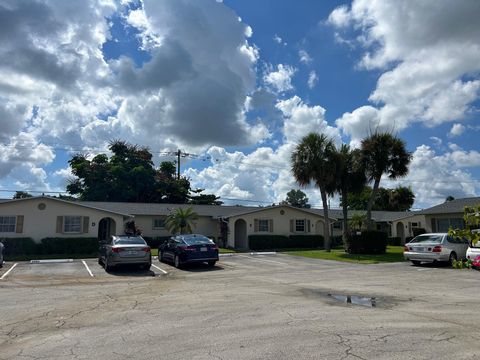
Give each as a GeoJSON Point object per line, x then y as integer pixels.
{"type": "Point", "coordinates": [428, 238]}
{"type": "Point", "coordinates": [129, 241]}
{"type": "Point", "coordinates": [197, 240]}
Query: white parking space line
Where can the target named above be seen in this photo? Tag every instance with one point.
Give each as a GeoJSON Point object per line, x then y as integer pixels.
{"type": "Point", "coordinates": [88, 269]}
{"type": "Point", "coordinates": [8, 271]}
{"type": "Point", "coordinates": [262, 260]}
{"type": "Point", "coordinates": [156, 267]}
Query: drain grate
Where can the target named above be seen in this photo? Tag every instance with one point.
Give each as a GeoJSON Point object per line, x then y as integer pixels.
{"type": "Point", "coordinates": [356, 300]}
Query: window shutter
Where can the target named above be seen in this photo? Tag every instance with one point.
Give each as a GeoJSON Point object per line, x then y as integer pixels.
{"type": "Point", "coordinates": [270, 225]}
{"type": "Point", "coordinates": [59, 224]}
{"type": "Point", "coordinates": [307, 224]}
{"type": "Point", "coordinates": [291, 225]}
{"type": "Point", "coordinates": [255, 225]}
{"type": "Point", "coordinates": [86, 222]}
{"type": "Point", "coordinates": [19, 227]}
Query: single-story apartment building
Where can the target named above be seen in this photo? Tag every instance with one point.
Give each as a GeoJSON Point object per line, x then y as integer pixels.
{"type": "Point", "coordinates": [438, 218]}
{"type": "Point", "coordinates": [44, 216]}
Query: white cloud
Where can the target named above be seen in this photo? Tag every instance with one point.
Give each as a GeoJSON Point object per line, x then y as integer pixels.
{"type": "Point", "coordinates": [281, 79]}
{"type": "Point", "coordinates": [312, 79]}
{"type": "Point", "coordinates": [279, 40]}
{"type": "Point", "coordinates": [433, 177]}
{"type": "Point", "coordinates": [457, 130]}
{"type": "Point", "coordinates": [304, 57]}
{"type": "Point", "coordinates": [340, 16]}
{"type": "Point", "coordinates": [428, 51]}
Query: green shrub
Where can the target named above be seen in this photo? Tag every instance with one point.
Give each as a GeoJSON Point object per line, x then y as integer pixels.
{"type": "Point", "coordinates": [264, 242]}
{"type": "Point", "coordinates": [305, 241]}
{"type": "Point", "coordinates": [394, 241]}
{"type": "Point", "coordinates": [367, 242]}
{"type": "Point", "coordinates": [19, 246]}
{"type": "Point", "coordinates": [337, 241]}
{"type": "Point", "coordinates": [80, 245]}
{"type": "Point", "coordinates": [269, 242]}
{"type": "Point", "coordinates": [155, 241]}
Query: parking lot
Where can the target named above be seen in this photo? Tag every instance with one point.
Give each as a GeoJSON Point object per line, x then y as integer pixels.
{"type": "Point", "coordinates": [246, 307]}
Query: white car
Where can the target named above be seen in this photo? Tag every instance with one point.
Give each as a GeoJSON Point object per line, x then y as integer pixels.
{"type": "Point", "coordinates": [435, 247]}
{"type": "Point", "coordinates": [473, 251]}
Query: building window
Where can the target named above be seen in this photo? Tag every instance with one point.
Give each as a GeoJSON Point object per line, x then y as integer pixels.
{"type": "Point", "coordinates": [300, 225]}
{"type": "Point", "coordinates": [72, 224]}
{"type": "Point", "coordinates": [7, 223]}
{"type": "Point", "coordinates": [263, 225]}
{"type": "Point", "coordinates": [443, 225]}
{"type": "Point", "coordinates": [338, 225]}
{"type": "Point", "coordinates": [158, 223]}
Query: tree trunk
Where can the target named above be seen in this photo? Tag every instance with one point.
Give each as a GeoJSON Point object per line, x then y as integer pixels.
{"type": "Point", "coordinates": [345, 215]}
{"type": "Point", "coordinates": [326, 224]}
{"type": "Point", "coordinates": [376, 185]}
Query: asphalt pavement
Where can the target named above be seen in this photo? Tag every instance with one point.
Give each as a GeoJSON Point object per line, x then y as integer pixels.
{"type": "Point", "coordinates": [246, 307]}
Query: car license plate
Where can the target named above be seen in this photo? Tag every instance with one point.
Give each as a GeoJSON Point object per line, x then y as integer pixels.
{"type": "Point", "coordinates": [203, 249]}
{"type": "Point", "coordinates": [131, 253]}
{"type": "Point", "coordinates": [418, 249]}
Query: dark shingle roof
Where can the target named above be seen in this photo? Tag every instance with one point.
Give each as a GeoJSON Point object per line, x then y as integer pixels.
{"type": "Point", "coordinates": [454, 206]}
{"type": "Point", "coordinates": [165, 209]}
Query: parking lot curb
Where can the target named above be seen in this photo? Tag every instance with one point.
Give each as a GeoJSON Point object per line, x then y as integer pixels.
{"type": "Point", "coordinates": [51, 261]}
{"type": "Point", "coordinates": [226, 255]}
{"type": "Point", "coordinates": [264, 253]}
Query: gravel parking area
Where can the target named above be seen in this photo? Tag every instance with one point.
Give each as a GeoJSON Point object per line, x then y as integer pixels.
{"type": "Point", "coordinates": [246, 307]}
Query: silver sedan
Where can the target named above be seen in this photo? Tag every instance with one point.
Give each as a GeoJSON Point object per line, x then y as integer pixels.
{"type": "Point", "coordinates": [125, 250]}
{"type": "Point", "coordinates": [435, 247]}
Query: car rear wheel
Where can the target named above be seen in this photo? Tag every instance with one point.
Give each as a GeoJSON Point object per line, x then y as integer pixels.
{"type": "Point", "coordinates": [212, 263]}
{"type": "Point", "coordinates": [452, 258]}
{"type": "Point", "coordinates": [416, 262]}
{"type": "Point", "coordinates": [176, 262]}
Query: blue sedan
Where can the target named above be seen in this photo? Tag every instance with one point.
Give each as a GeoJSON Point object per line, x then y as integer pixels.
{"type": "Point", "coordinates": [191, 248]}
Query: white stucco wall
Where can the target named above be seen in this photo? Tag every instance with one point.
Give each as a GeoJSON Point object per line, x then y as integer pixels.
{"type": "Point", "coordinates": [281, 222]}
{"type": "Point", "coordinates": [39, 224]}
{"type": "Point", "coordinates": [406, 224]}
{"type": "Point", "coordinates": [204, 225]}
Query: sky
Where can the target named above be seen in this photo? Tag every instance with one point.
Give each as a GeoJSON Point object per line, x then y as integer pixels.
{"type": "Point", "coordinates": [237, 84]}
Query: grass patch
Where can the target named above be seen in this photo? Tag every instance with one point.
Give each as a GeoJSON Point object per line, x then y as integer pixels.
{"type": "Point", "coordinates": [393, 254]}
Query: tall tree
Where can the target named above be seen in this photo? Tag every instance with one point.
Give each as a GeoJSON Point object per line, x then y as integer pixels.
{"type": "Point", "coordinates": [383, 153]}
{"type": "Point", "coordinates": [22, 195]}
{"type": "Point", "coordinates": [181, 221]}
{"type": "Point", "coordinates": [313, 161]}
{"type": "Point", "coordinates": [399, 199]}
{"type": "Point", "coordinates": [128, 175]}
{"type": "Point", "coordinates": [296, 198]}
{"type": "Point", "coordinates": [350, 178]}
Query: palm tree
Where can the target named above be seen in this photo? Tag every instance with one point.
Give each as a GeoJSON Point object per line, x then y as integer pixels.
{"type": "Point", "coordinates": [181, 221]}
{"type": "Point", "coordinates": [350, 178]}
{"type": "Point", "coordinates": [312, 160]}
{"type": "Point", "coordinates": [383, 153]}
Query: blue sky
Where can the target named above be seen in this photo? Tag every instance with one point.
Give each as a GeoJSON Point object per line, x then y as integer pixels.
{"type": "Point", "coordinates": [238, 83]}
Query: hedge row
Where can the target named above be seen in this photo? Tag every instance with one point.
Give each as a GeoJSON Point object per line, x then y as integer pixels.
{"type": "Point", "coordinates": [48, 246]}
{"type": "Point", "coordinates": [154, 242]}
{"type": "Point", "coordinates": [367, 242]}
{"type": "Point", "coordinates": [267, 242]}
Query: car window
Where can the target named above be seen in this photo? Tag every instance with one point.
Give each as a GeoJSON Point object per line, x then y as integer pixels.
{"type": "Point", "coordinates": [428, 238]}
{"type": "Point", "coordinates": [129, 241]}
{"type": "Point", "coordinates": [198, 240]}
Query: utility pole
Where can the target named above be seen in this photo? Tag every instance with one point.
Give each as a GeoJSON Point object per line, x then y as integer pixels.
{"type": "Point", "coordinates": [179, 154]}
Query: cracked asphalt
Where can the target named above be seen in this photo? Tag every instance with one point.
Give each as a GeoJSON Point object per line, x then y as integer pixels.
{"type": "Point", "coordinates": [247, 307]}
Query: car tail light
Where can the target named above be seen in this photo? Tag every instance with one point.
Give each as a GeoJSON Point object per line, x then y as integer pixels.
{"type": "Point", "coordinates": [437, 249]}
{"type": "Point", "coordinates": [117, 250]}
{"type": "Point", "coordinates": [146, 249]}
{"type": "Point", "coordinates": [214, 246]}
{"type": "Point", "coordinates": [405, 249]}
